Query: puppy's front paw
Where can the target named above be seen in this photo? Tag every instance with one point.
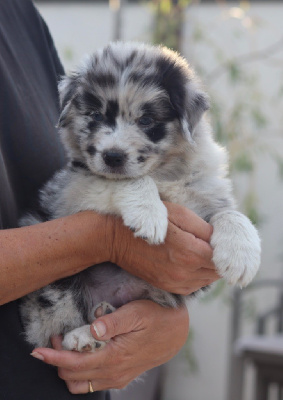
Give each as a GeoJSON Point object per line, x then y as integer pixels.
{"type": "Point", "coordinates": [80, 339]}
{"type": "Point", "coordinates": [148, 222]}
{"type": "Point", "coordinates": [236, 247]}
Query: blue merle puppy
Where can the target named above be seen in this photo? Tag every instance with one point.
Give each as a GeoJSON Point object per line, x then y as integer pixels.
{"type": "Point", "coordinates": [132, 123]}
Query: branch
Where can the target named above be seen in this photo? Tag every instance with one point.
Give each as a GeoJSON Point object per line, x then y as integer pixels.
{"type": "Point", "coordinates": [246, 58]}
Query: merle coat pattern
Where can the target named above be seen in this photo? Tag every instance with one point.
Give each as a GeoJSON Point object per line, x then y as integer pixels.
{"type": "Point", "coordinates": [132, 122]}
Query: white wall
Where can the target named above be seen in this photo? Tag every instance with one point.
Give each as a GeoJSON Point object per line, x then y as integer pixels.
{"type": "Point", "coordinates": [81, 28]}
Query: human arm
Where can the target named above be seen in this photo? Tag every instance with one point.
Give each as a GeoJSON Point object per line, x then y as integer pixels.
{"type": "Point", "coordinates": [34, 256]}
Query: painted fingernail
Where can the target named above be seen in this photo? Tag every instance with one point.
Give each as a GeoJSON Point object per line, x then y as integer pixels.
{"type": "Point", "coordinates": [37, 355]}
{"type": "Point", "coordinates": [100, 328]}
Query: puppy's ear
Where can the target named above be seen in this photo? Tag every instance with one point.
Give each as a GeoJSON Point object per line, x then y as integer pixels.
{"type": "Point", "coordinates": [67, 89]}
{"type": "Point", "coordinates": [197, 102]}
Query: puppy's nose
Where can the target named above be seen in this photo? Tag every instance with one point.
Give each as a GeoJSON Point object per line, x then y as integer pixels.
{"type": "Point", "coordinates": [114, 158]}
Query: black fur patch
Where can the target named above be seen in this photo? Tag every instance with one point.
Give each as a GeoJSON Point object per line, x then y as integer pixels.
{"type": "Point", "coordinates": [79, 164]}
{"type": "Point", "coordinates": [111, 114]}
{"type": "Point", "coordinates": [89, 102]}
{"type": "Point", "coordinates": [104, 79]}
{"type": "Point", "coordinates": [92, 125]}
{"type": "Point", "coordinates": [44, 301]}
{"type": "Point", "coordinates": [91, 150]}
{"type": "Point", "coordinates": [160, 109]}
{"type": "Point", "coordinates": [173, 80]}
{"type": "Point", "coordinates": [156, 133]}
{"type": "Point", "coordinates": [141, 159]}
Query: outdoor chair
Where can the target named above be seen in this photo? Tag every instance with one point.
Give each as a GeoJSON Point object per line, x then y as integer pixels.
{"type": "Point", "coordinates": [263, 350]}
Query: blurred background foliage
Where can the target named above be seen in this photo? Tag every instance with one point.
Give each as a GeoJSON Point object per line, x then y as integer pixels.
{"type": "Point", "coordinates": [240, 123]}
{"type": "Point", "coordinates": [242, 127]}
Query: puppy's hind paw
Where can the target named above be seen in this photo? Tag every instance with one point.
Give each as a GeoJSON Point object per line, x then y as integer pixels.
{"type": "Point", "coordinates": [103, 308]}
{"type": "Point", "coordinates": [80, 339]}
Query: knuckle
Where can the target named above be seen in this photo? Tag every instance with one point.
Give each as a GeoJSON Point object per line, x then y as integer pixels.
{"type": "Point", "coordinates": [73, 388]}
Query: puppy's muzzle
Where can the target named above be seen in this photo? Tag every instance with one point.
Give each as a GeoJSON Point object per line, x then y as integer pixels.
{"type": "Point", "coordinates": [114, 159]}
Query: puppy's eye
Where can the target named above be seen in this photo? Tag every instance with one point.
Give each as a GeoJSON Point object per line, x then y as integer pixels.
{"type": "Point", "coordinates": [97, 116]}
{"type": "Point", "coordinates": [145, 121]}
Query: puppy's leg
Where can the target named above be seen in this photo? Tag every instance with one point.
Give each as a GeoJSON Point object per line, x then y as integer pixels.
{"type": "Point", "coordinates": [236, 247]}
{"type": "Point", "coordinates": [81, 339]}
{"type": "Point", "coordinates": [142, 210]}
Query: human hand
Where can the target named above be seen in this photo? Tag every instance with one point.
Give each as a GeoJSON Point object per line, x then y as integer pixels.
{"type": "Point", "coordinates": [181, 265]}
{"type": "Point", "coordinates": [143, 335]}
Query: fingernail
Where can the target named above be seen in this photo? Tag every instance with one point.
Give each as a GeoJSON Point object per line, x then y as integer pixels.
{"type": "Point", "coordinates": [37, 355]}
{"type": "Point", "coordinates": [100, 328]}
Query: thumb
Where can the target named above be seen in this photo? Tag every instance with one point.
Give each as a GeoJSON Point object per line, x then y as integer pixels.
{"type": "Point", "coordinates": [123, 320]}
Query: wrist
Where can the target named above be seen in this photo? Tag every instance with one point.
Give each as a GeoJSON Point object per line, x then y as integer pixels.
{"type": "Point", "coordinates": [96, 237]}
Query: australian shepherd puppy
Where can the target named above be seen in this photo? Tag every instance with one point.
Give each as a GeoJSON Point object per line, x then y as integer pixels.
{"type": "Point", "coordinates": [132, 123]}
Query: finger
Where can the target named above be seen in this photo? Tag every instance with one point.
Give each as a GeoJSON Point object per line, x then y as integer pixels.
{"type": "Point", "coordinates": [83, 387]}
{"type": "Point", "coordinates": [110, 372]}
{"type": "Point", "coordinates": [199, 247]}
{"type": "Point", "coordinates": [188, 221]}
{"type": "Point", "coordinates": [124, 320]}
{"type": "Point", "coordinates": [65, 359]}
{"type": "Point", "coordinates": [78, 387]}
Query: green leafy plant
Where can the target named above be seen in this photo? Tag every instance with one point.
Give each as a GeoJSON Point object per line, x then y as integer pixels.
{"type": "Point", "coordinates": [168, 22]}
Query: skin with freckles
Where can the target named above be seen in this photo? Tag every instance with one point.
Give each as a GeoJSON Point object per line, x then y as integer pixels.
{"type": "Point", "coordinates": [68, 245]}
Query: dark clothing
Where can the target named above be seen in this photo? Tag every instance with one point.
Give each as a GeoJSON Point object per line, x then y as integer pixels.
{"type": "Point", "coordinates": [30, 152]}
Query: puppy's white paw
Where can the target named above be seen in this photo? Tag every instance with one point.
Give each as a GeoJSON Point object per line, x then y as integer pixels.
{"type": "Point", "coordinates": [80, 339]}
{"type": "Point", "coordinates": [236, 247]}
{"type": "Point", "coordinates": [148, 222]}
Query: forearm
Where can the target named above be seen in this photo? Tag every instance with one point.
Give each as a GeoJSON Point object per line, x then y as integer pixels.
{"type": "Point", "coordinates": [34, 256]}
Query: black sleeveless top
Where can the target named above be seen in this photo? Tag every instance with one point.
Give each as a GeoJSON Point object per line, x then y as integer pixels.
{"type": "Point", "coordinates": [30, 152]}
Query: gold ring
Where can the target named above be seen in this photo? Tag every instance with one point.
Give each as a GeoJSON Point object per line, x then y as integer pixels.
{"type": "Point", "coordinates": [90, 388]}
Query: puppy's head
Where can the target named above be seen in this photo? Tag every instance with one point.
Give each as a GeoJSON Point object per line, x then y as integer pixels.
{"type": "Point", "coordinates": [130, 110]}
